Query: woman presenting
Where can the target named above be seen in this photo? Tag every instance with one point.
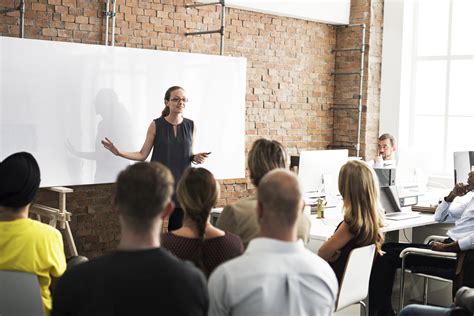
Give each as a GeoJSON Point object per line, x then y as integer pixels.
{"type": "Point", "coordinates": [172, 137]}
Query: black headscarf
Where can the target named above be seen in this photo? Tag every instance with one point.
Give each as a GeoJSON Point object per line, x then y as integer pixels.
{"type": "Point", "coordinates": [19, 180]}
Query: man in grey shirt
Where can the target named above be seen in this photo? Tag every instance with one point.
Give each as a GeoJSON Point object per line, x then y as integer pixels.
{"type": "Point", "coordinates": [276, 275]}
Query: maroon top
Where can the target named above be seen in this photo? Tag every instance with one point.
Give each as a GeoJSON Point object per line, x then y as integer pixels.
{"type": "Point", "coordinates": [215, 250]}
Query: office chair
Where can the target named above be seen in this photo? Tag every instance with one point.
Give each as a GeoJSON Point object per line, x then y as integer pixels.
{"type": "Point", "coordinates": [20, 294]}
{"type": "Point", "coordinates": [411, 251]}
{"type": "Point", "coordinates": [354, 286]}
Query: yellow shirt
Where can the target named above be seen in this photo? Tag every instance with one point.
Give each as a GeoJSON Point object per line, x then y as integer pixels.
{"type": "Point", "coordinates": [31, 246]}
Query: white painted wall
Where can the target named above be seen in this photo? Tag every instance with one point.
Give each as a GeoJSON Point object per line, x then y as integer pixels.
{"type": "Point", "coordinates": [396, 64]}
{"type": "Point", "coordinates": [325, 11]}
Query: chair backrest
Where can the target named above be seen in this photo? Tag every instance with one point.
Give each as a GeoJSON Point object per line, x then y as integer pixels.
{"type": "Point", "coordinates": [20, 294]}
{"type": "Point", "coordinates": [354, 286]}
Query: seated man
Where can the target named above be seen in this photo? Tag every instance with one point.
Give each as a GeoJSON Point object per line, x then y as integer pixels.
{"type": "Point", "coordinates": [139, 277]}
{"type": "Point", "coordinates": [240, 218]}
{"type": "Point", "coordinates": [463, 305]}
{"type": "Point", "coordinates": [461, 238]}
{"type": "Point", "coordinates": [276, 275]}
{"type": "Point", "coordinates": [27, 245]}
{"type": "Point", "coordinates": [386, 152]}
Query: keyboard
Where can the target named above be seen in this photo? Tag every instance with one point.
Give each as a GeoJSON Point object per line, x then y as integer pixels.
{"type": "Point", "coordinates": [398, 216]}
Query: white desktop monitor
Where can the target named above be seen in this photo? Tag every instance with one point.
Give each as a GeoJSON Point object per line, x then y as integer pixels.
{"type": "Point", "coordinates": [463, 164]}
{"type": "Point", "coordinates": [318, 171]}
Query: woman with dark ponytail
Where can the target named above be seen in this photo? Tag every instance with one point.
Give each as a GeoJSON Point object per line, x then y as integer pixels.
{"type": "Point", "coordinates": [171, 136]}
{"type": "Point", "coordinates": [197, 240]}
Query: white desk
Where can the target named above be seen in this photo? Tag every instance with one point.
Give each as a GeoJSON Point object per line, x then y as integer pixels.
{"type": "Point", "coordinates": [322, 229]}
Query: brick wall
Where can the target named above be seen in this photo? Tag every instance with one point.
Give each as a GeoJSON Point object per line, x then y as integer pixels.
{"type": "Point", "coordinates": [290, 89]}
{"type": "Point", "coordinates": [370, 13]}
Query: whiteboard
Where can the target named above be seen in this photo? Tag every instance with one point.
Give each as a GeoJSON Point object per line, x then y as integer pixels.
{"type": "Point", "coordinates": [58, 100]}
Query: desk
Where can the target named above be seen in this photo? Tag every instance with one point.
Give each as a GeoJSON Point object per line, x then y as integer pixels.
{"type": "Point", "coordinates": [322, 229]}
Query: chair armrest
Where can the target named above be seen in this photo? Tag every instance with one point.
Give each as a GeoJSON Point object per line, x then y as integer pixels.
{"type": "Point", "coordinates": [432, 238]}
{"type": "Point", "coordinates": [427, 253]}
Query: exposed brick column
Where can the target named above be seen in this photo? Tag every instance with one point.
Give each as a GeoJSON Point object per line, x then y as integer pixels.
{"type": "Point", "coordinates": [369, 12]}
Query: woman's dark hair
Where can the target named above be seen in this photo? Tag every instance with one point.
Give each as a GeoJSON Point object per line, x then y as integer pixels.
{"type": "Point", "coordinates": [198, 193]}
{"type": "Point", "coordinates": [166, 110]}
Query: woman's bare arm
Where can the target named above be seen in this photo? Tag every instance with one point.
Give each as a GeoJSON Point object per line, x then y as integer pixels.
{"type": "Point", "coordinates": [136, 155]}
{"type": "Point", "coordinates": [330, 250]}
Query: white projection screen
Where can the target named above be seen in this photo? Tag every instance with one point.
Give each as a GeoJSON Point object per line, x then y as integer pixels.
{"type": "Point", "coordinates": [58, 100]}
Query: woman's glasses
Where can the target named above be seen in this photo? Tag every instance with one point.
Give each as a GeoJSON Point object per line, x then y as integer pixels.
{"type": "Point", "coordinates": [184, 100]}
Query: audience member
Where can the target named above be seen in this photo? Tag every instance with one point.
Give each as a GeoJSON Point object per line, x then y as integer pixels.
{"type": "Point", "coordinates": [276, 275]}
{"type": "Point", "coordinates": [362, 224]}
{"type": "Point", "coordinates": [461, 238]}
{"type": "Point", "coordinates": [386, 152]}
{"type": "Point", "coordinates": [197, 240]}
{"type": "Point", "coordinates": [27, 245]}
{"type": "Point", "coordinates": [463, 305]}
{"type": "Point", "coordinates": [139, 277]}
{"type": "Point", "coordinates": [241, 217]}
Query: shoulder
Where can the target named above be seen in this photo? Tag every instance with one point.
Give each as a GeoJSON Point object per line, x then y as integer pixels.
{"type": "Point", "coordinates": [231, 237]}
{"type": "Point", "coordinates": [242, 206]}
{"type": "Point", "coordinates": [166, 237]}
{"type": "Point", "coordinates": [233, 240]}
{"type": "Point", "coordinates": [157, 122]}
{"type": "Point", "coordinates": [227, 269]}
{"type": "Point", "coordinates": [80, 273]}
{"type": "Point", "coordinates": [188, 123]}
{"type": "Point", "coordinates": [319, 267]}
{"type": "Point", "coordinates": [188, 274]}
{"type": "Point", "coordinates": [304, 222]}
{"type": "Point", "coordinates": [45, 229]}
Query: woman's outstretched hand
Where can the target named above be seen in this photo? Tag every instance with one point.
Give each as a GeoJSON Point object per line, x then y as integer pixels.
{"type": "Point", "coordinates": [107, 143]}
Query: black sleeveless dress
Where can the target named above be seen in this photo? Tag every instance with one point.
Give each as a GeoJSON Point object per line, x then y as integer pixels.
{"type": "Point", "coordinates": [175, 153]}
{"type": "Point", "coordinates": [340, 264]}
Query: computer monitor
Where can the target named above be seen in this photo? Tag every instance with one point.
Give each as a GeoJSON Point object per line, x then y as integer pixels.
{"type": "Point", "coordinates": [319, 171]}
{"type": "Point", "coordinates": [463, 163]}
{"type": "Point", "coordinates": [386, 176]}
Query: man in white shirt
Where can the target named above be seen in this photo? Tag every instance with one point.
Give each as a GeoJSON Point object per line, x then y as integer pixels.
{"type": "Point", "coordinates": [386, 152]}
{"type": "Point", "coordinates": [461, 238]}
{"type": "Point", "coordinates": [276, 275]}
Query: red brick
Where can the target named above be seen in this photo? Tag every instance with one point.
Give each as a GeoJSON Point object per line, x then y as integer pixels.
{"type": "Point", "coordinates": [69, 3]}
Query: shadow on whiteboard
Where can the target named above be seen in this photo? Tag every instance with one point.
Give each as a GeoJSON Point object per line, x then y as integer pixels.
{"type": "Point", "coordinates": [113, 122]}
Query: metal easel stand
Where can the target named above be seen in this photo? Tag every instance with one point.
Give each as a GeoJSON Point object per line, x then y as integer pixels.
{"type": "Point", "coordinates": [110, 14]}
{"type": "Point", "coordinates": [360, 73]}
{"type": "Point", "coordinates": [222, 28]}
{"type": "Point", "coordinates": [20, 8]}
{"type": "Point", "coordinates": [58, 216]}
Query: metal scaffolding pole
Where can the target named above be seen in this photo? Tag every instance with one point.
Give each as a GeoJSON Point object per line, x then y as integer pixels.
{"type": "Point", "coordinates": [221, 30]}
{"type": "Point", "coordinates": [360, 73]}
{"type": "Point", "coordinates": [110, 15]}
{"type": "Point", "coordinates": [20, 8]}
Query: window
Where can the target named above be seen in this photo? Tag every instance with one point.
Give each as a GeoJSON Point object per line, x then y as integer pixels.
{"type": "Point", "coordinates": [441, 113]}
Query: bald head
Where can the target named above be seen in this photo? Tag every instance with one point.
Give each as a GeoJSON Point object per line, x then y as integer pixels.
{"type": "Point", "coordinates": [279, 195]}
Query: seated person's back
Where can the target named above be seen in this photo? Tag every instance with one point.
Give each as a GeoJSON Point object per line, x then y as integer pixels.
{"type": "Point", "coordinates": [276, 275]}
{"type": "Point", "coordinates": [198, 241]}
{"type": "Point", "coordinates": [214, 251]}
{"type": "Point", "coordinates": [362, 224]}
{"type": "Point", "coordinates": [132, 282]}
{"type": "Point", "coordinates": [27, 245]}
{"type": "Point", "coordinates": [140, 278]}
{"type": "Point", "coordinates": [240, 217]}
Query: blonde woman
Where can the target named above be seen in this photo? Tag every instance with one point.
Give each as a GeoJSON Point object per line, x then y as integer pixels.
{"type": "Point", "coordinates": [362, 224]}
